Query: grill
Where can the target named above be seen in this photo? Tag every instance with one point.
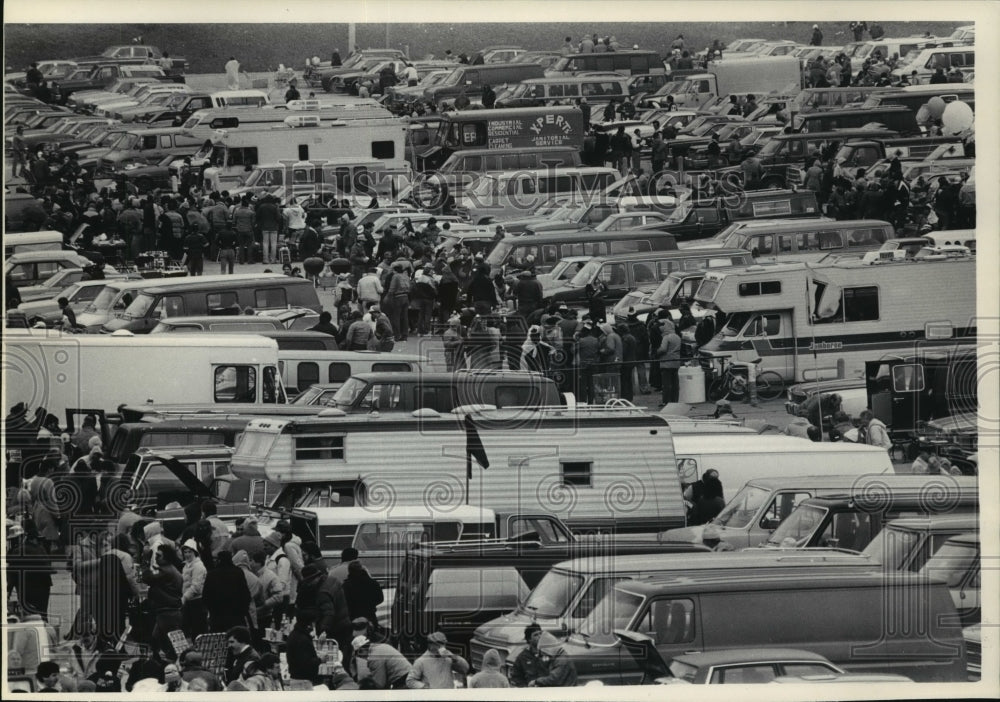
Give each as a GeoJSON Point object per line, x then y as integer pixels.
{"type": "Point", "coordinates": [974, 656]}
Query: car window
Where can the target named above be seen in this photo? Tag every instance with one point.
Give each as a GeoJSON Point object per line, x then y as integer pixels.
{"type": "Point", "coordinates": [669, 621]}
{"type": "Point", "coordinates": [798, 669]}
{"type": "Point", "coordinates": [744, 674]}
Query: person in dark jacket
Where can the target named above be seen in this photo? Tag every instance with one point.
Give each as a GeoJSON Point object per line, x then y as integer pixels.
{"type": "Point", "coordinates": [240, 651]}
{"type": "Point", "coordinates": [528, 292]}
{"type": "Point", "coordinates": [323, 596]}
{"type": "Point", "coordinates": [249, 539]}
{"type": "Point", "coordinates": [630, 355]}
{"type": "Point", "coordinates": [226, 594]}
{"type": "Point", "coordinates": [303, 661]}
{"type": "Point", "coordinates": [166, 585]}
{"type": "Point", "coordinates": [362, 592]}
{"type": "Point", "coordinates": [482, 292]}
{"type": "Point", "coordinates": [709, 501]}
{"type": "Point", "coordinates": [326, 326]}
{"type": "Point", "coordinates": [528, 666]}
{"type": "Point", "coordinates": [489, 97]}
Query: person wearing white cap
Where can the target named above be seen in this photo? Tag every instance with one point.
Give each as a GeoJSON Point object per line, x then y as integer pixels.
{"type": "Point", "coordinates": [817, 37]}
{"type": "Point", "coordinates": [194, 616]}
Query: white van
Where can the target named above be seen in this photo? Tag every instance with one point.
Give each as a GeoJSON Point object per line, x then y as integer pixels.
{"type": "Point", "coordinates": [739, 458]}
{"type": "Point", "coordinates": [925, 61]}
{"type": "Point", "coordinates": [31, 241]}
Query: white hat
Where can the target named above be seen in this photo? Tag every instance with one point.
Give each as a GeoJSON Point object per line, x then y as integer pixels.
{"type": "Point", "coordinates": [359, 642]}
{"type": "Point", "coordinates": [191, 544]}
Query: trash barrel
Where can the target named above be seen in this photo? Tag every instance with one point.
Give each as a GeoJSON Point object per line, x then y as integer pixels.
{"type": "Point", "coordinates": [691, 385]}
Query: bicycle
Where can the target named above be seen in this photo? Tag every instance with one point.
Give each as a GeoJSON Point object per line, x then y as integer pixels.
{"type": "Point", "coordinates": [732, 382]}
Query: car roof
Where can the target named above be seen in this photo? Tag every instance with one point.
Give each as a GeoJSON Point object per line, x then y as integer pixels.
{"type": "Point", "coordinates": [449, 378]}
{"type": "Point", "coordinates": [207, 318]}
{"type": "Point", "coordinates": [932, 522]}
{"type": "Point", "coordinates": [668, 254]}
{"type": "Point", "coordinates": [748, 655]}
{"type": "Point", "coordinates": [55, 255]}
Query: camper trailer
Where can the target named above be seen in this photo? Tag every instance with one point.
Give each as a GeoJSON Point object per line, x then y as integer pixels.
{"type": "Point", "coordinates": [826, 320]}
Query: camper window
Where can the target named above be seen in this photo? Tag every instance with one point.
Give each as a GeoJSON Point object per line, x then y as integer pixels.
{"type": "Point", "coordinates": [577, 473]}
{"type": "Point", "coordinates": [272, 392]}
{"type": "Point", "coordinates": [270, 298]}
{"type": "Point", "coordinates": [766, 287]}
{"type": "Point", "coordinates": [319, 448]}
{"type": "Point", "coordinates": [908, 378]}
{"type": "Point", "coordinates": [384, 149]}
{"type": "Point", "coordinates": [241, 156]}
{"type": "Point", "coordinates": [235, 384]}
{"type": "Point", "coordinates": [860, 304]}
{"type": "Point", "coordinates": [772, 208]}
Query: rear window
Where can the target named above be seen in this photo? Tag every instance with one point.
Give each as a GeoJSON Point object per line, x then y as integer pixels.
{"type": "Point", "coordinates": [270, 298]}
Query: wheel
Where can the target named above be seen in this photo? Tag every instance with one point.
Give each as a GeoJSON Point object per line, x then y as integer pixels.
{"type": "Point", "coordinates": [770, 385]}
{"type": "Point", "coordinates": [737, 387]}
{"type": "Point", "coordinates": [718, 390]}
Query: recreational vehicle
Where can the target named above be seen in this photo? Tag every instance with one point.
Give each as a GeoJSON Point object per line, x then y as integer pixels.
{"type": "Point", "coordinates": [596, 469]}
{"type": "Point", "coordinates": [47, 369]}
{"type": "Point", "coordinates": [819, 321]}
{"type": "Point", "coordinates": [302, 138]}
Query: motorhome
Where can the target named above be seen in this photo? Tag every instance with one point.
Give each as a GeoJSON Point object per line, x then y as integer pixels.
{"type": "Point", "coordinates": [203, 122]}
{"type": "Point", "coordinates": [62, 371]}
{"type": "Point", "coordinates": [826, 320]}
{"type": "Point", "coordinates": [498, 130]}
{"type": "Point", "coordinates": [596, 469]}
{"type": "Point", "coordinates": [302, 138]}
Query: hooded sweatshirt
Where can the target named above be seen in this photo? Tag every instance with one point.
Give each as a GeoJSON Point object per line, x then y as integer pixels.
{"type": "Point", "coordinates": [490, 675]}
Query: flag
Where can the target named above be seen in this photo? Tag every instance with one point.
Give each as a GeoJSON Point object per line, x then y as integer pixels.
{"type": "Point", "coordinates": [474, 445]}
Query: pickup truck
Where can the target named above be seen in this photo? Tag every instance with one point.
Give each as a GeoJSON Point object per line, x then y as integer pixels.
{"type": "Point", "coordinates": [177, 109]}
{"type": "Point", "coordinates": [98, 76]}
{"type": "Point", "coordinates": [455, 587]}
{"type": "Point", "coordinates": [125, 54]}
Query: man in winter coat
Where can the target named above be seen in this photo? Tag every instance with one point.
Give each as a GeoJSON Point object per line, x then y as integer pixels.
{"type": "Point", "coordinates": [491, 674]}
{"type": "Point", "coordinates": [324, 596]}
{"type": "Point", "coordinates": [166, 587]}
{"type": "Point", "coordinates": [669, 356]}
{"type": "Point", "coordinates": [424, 293]}
{"type": "Point", "coordinates": [528, 292]}
{"type": "Point", "coordinates": [226, 595]}
{"type": "Point", "coordinates": [529, 664]}
{"type": "Point", "coordinates": [436, 668]}
{"type": "Point", "coordinates": [362, 592]}
{"type": "Point", "coordinates": [611, 349]}
{"type": "Point", "coordinates": [588, 356]}
{"type": "Point", "coordinates": [250, 540]}
{"type": "Point", "coordinates": [386, 667]}
{"type": "Point", "coordinates": [562, 672]}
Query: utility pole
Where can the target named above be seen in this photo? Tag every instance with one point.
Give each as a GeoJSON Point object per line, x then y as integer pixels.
{"type": "Point", "coordinates": [352, 38]}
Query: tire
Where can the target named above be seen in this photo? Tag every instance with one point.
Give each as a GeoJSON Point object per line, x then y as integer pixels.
{"type": "Point", "coordinates": [737, 387]}
{"type": "Point", "coordinates": [770, 385]}
{"type": "Point", "coordinates": [718, 390]}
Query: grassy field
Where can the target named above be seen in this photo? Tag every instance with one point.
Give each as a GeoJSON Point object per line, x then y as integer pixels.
{"type": "Point", "coordinates": [261, 47]}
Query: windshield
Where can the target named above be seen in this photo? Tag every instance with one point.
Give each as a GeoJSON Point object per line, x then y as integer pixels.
{"type": "Point", "coordinates": [665, 290]}
{"type": "Point", "coordinates": [499, 253]}
{"type": "Point", "coordinates": [104, 299]}
{"type": "Point", "coordinates": [309, 396]}
{"type": "Point", "coordinates": [615, 611]}
{"type": "Point", "coordinates": [585, 274]}
{"type": "Point", "coordinates": [736, 322]}
{"type": "Point", "coordinates": [952, 563]}
{"type": "Point", "coordinates": [127, 142]}
{"type": "Point", "coordinates": [140, 306]}
{"type": "Point", "coordinates": [349, 392]}
{"type": "Point", "coordinates": [680, 213]}
{"type": "Point", "coordinates": [891, 547]}
{"type": "Point", "coordinates": [798, 529]}
{"type": "Point", "coordinates": [561, 64]}
{"type": "Point", "coordinates": [770, 148]}
{"type": "Point", "coordinates": [453, 77]}
{"type": "Point", "coordinates": [552, 595]}
{"type": "Point", "coordinates": [742, 509]}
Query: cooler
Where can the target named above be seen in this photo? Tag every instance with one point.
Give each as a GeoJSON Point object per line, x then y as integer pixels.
{"type": "Point", "coordinates": [691, 384]}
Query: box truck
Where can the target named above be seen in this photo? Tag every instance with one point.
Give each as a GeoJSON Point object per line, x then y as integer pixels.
{"type": "Point", "coordinates": [756, 76]}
